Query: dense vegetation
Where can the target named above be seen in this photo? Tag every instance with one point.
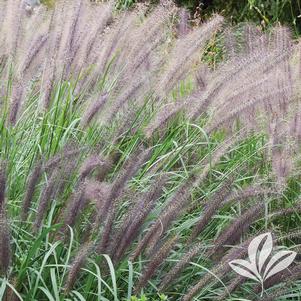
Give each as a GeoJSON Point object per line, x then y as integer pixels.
{"type": "Point", "coordinates": [132, 166]}
{"type": "Point", "coordinates": [261, 12]}
{"type": "Point", "coordinates": [264, 13]}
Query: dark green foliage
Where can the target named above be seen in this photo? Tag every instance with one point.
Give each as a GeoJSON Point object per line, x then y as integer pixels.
{"type": "Point", "coordinates": [263, 12]}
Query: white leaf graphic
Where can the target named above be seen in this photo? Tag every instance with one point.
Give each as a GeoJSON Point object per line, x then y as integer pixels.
{"type": "Point", "coordinates": [271, 269]}
{"type": "Point", "coordinates": [263, 254]}
{"type": "Point", "coordinates": [259, 251]}
{"type": "Point", "coordinates": [254, 245]}
{"type": "Point", "coordinates": [243, 268]}
{"type": "Point", "coordinates": [265, 251]}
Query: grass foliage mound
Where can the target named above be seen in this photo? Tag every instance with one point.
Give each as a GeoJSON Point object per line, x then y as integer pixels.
{"type": "Point", "coordinates": [129, 166]}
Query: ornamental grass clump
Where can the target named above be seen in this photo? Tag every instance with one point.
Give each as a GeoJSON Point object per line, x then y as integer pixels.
{"type": "Point", "coordinates": [131, 163]}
